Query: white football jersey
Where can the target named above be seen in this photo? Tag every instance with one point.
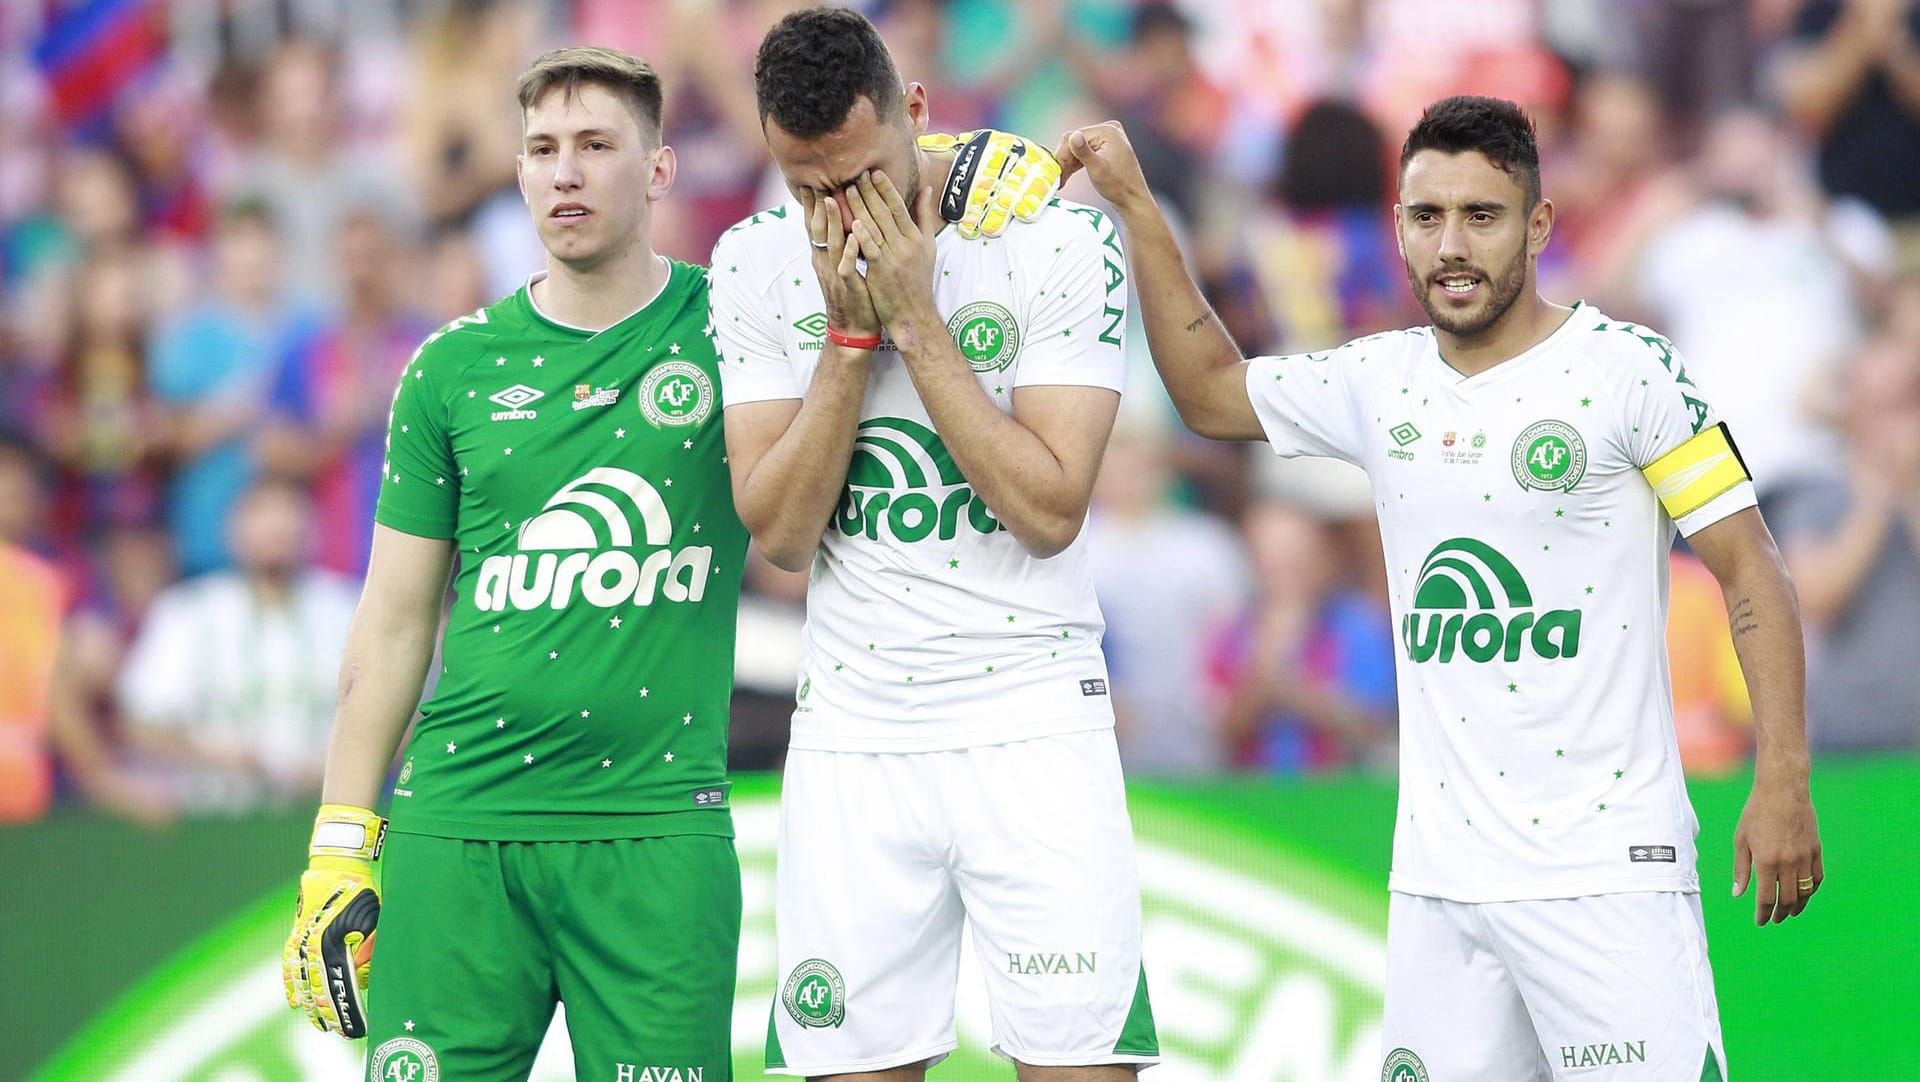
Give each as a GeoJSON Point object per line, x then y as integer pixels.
{"type": "Point", "coordinates": [1528, 560]}
{"type": "Point", "coordinates": [928, 626]}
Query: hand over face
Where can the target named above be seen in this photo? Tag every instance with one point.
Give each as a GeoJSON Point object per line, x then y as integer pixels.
{"type": "Point", "coordinates": [849, 307]}
{"type": "Point", "coordinates": [898, 245]}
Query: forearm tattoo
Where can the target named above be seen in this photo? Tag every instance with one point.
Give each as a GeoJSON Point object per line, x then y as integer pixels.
{"type": "Point", "coordinates": [1198, 323]}
{"type": "Point", "coordinates": [1744, 619]}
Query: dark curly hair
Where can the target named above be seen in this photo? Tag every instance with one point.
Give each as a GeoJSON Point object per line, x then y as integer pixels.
{"type": "Point", "coordinates": [814, 64]}
{"type": "Point", "coordinates": [1491, 126]}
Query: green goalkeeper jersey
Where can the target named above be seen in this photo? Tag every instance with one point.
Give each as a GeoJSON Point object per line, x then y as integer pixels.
{"type": "Point", "coordinates": [588, 660]}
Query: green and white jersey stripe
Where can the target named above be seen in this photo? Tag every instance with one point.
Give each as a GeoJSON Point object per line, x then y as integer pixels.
{"type": "Point", "coordinates": [1527, 556]}
{"type": "Point", "coordinates": [928, 626]}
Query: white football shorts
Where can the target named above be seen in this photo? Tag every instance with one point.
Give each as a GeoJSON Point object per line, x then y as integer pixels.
{"type": "Point", "coordinates": [1607, 986]}
{"type": "Point", "coordinates": [883, 856]}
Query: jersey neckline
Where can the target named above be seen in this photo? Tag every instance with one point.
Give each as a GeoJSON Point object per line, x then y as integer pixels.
{"type": "Point", "coordinates": [1580, 312]}
{"type": "Point", "coordinates": [525, 294]}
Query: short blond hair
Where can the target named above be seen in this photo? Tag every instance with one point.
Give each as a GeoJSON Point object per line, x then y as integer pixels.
{"type": "Point", "coordinates": [623, 74]}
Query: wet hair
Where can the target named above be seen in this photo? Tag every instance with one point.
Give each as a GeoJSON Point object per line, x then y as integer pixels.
{"type": "Point", "coordinates": [815, 64]}
{"type": "Point", "coordinates": [1492, 127]}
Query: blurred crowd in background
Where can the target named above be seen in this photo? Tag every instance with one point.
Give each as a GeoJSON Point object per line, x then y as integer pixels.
{"type": "Point", "coordinates": [226, 224]}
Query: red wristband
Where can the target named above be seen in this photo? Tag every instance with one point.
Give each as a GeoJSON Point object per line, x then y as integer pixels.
{"type": "Point", "coordinates": [852, 341]}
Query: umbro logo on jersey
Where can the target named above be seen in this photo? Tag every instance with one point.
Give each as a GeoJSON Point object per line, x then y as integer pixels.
{"type": "Point", "coordinates": [516, 398]}
{"type": "Point", "coordinates": [1462, 575]}
{"type": "Point", "coordinates": [583, 543]}
{"type": "Point", "coordinates": [1657, 854]}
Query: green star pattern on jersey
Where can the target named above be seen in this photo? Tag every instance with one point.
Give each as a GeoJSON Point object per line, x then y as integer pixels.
{"type": "Point", "coordinates": [588, 661]}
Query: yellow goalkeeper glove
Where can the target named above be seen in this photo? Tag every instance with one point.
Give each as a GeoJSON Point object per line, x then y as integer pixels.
{"type": "Point", "coordinates": [996, 176]}
{"type": "Point", "coordinates": [330, 952]}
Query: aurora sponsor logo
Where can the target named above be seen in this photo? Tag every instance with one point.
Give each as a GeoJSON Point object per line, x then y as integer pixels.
{"type": "Point", "coordinates": [1471, 602]}
{"type": "Point", "coordinates": [902, 483]}
{"type": "Point", "coordinates": [582, 544]}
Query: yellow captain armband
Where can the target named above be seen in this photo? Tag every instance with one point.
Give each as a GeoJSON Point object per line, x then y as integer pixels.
{"type": "Point", "coordinates": [1698, 471]}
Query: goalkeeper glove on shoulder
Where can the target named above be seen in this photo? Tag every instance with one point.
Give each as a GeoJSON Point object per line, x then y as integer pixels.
{"type": "Point", "coordinates": [330, 952]}
{"type": "Point", "coordinates": [996, 177]}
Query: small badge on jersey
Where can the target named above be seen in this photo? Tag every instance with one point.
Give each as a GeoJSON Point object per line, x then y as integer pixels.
{"type": "Point", "coordinates": [675, 394]}
{"type": "Point", "coordinates": [405, 1058]}
{"type": "Point", "coordinates": [987, 335]}
{"type": "Point", "coordinates": [1549, 456]}
{"type": "Point", "coordinates": [1652, 854]}
{"type": "Point", "coordinates": [587, 396]}
{"type": "Point", "coordinates": [710, 798]}
{"type": "Point", "coordinates": [1093, 687]}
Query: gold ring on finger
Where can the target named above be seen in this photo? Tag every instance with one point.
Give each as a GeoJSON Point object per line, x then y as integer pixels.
{"type": "Point", "coordinates": [1805, 882]}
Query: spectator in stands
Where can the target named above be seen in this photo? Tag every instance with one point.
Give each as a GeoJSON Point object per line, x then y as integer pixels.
{"type": "Point", "coordinates": [328, 412]}
{"type": "Point", "coordinates": [1756, 286]}
{"type": "Point", "coordinates": [211, 368]}
{"type": "Point", "coordinates": [309, 181]}
{"type": "Point", "coordinates": [1850, 77]}
{"type": "Point", "coordinates": [232, 676]}
{"type": "Point", "coordinates": [454, 277]}
{"type": "Point", "coordinates": [96, 419]}
{"type": "Point", "coordinates": [1172, 110]}
{"type": "Point", "coordinates": [1853, 545]}
{"type": "Point", "coordinates": [135, 563]}
{"type": "Point", "coordinates": [1309, 666]}
{"type": "Point", "coordinates": [459, 140]}
{"type": "Point", "coordinates": [31, 602]}
{"type": "Point", "coordinates": [1616, 182]}
{"type": "Point", "coordinates": [1169, 580]}
{"type": "Point", "coordinates": [158, 128]}
{"type": "Point", "coordinates": [1321, 249]}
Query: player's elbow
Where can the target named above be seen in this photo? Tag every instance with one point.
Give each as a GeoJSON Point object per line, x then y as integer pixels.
{"type": "Point", "coordinates": [789, 557]}
{"type": "Point", "coordinates": [1207, 408]}
{"type": "Point", "coordinates": [1049, 535]}
{"type": "Point", "coordinates": [782, 549]}
{"type": "Point", "coordinates": [1203, 421]}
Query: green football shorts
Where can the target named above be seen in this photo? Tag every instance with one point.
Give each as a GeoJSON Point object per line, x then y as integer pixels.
{"type": "Point", "coordinates": [478, 940]}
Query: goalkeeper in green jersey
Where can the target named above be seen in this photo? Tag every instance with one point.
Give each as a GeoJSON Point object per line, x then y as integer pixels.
{"type": "Point", "coordinates": [560, 828]}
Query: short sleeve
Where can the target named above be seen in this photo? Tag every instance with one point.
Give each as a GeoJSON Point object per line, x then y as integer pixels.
{"type": "Point", "coordinates": [1077, 331]}
{"type": "Point", "coordinates": [1662, 409]}
{"type": "Point", "coordinates": [1306, 403]}
{"type": "Point", "coordinates": [754, 366]}
{"type": "Point", "coordinates": [420, 491]}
